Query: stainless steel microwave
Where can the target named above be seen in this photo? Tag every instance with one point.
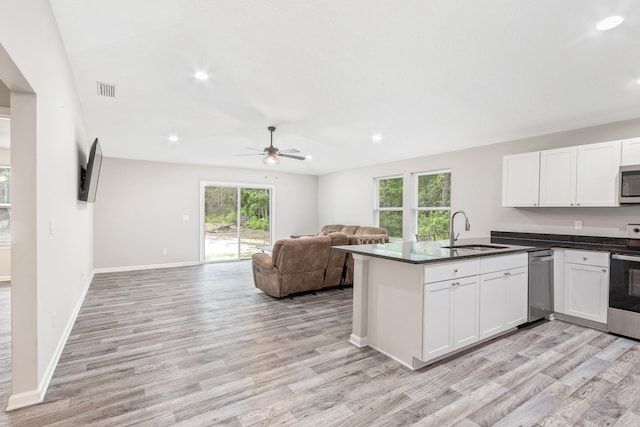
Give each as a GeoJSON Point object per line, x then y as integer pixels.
{"type": "Point", "coordinates": [629, 189]}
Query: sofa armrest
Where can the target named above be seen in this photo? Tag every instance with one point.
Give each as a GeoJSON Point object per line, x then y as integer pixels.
{"type": "Point", "coordinates": [263, 260]}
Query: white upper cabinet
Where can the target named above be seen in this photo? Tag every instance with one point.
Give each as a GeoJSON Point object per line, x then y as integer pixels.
{"type": "Point", "coordinates": [583, 175]}
{"type": "Point", "coordinates": [520, 179]}
{"type": "Point", "coordinates": [558, 176]}
{"type": "Point", "coordinates": [597, 179]}
{"type": "Point", "coordinates": [630, 151]}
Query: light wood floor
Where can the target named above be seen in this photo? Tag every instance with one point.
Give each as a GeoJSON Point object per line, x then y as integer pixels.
{"type": "Point", "coordinates": [201, 346]}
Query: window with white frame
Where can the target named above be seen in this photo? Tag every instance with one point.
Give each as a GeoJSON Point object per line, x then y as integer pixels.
{"type": "Point", "coordinates": [388, 206]}
{"type": "Point", "coordinates": [5, 204]}
{"type": "Point", "coordinates": [432, 204]}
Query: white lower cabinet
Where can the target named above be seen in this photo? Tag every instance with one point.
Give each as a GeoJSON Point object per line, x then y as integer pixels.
{"type": "Point", "coordinates": [467, 301]}
{"type": "Point", "coordinates": [450, 318]}
{"type": "Point", "coordinates": [503, 299]}
{"type": "Point", "coordinates": [586, 285]}
{"type": "Point", "coordinates": [503, 294]}
{"type": "Point", "coordinates": [517, 297]}
{"type": "Point", "coordinates": [492, 304]}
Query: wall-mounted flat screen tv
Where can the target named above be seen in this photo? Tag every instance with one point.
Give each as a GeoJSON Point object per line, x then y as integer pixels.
{"type": "Point", "coordinates": [90, 174]}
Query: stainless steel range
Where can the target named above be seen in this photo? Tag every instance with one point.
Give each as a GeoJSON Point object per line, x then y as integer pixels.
{"type": "Point", "coordinates": [624, 288]}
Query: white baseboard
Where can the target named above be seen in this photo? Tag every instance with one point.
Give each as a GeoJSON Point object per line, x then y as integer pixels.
{"type": "Point", "coordinates": [33, 397]}
{"type": "Point", "coordinates": [145, 267]}
{"type": "Point", "coordinates": [26, 398]}
{"type": "Point", "coordinates": [359, 341]}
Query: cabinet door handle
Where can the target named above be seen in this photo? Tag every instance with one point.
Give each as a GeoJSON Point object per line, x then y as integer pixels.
{"type": "Point", "coordinates": [584, 259]}
{"type": "Point", "coordinates": [455, 270]}
{"type": "Point", "coordinates": [571, 204]}
{"type": "Point", "coordinates": [604, 270]}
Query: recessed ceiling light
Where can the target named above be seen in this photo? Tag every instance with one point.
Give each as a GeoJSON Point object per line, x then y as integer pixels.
{"type": "Point", "coordinates": [308, 157]}
{"type": "Point", "coordinates": [376, 137]}
{"type": "Point", "coordinates": [609, 23]}
{"type": "Point", "coordinates": [201, 75]}
{"type": "Point", "coordinates": [173, 138]}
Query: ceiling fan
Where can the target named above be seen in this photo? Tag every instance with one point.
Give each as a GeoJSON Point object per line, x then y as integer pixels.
{"type": "Point", "coordinates": [272, 153]}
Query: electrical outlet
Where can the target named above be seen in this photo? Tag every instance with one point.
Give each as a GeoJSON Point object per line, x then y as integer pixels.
{"type": "Point", "coordinates": [52, 226]}
{"type": "Point", "coordinates": [185, 218]}
{"type": "Point", "coordinates": [577, 225]}
{"type": "Point", "coordinates": [164, 251]}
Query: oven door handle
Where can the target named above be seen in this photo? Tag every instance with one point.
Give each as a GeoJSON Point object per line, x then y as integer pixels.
{"type": "Point", "coordinates": [625, 258]}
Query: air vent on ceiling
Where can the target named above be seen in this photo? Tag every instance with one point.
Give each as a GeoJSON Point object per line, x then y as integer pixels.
{"type": "Point", "coordinates": [106, 89]}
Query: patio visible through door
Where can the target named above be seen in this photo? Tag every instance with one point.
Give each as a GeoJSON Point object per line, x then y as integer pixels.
{"type": "Point", "coordinates": [237, 221]}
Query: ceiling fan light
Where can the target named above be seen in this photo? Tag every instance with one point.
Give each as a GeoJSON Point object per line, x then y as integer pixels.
{"type": "Point", "coordinates": [270, 160]}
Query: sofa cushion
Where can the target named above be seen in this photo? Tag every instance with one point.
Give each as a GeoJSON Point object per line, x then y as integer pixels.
{"type": "Point", "coordinates": [349, 229]}
{"type": "Point", "coordinates": [370, 230]}
{"type": "Point", "coordinates": [338, 239]}
{"type": "Point", "coordinates": [299, 255]}
{"type": "Point", "coordinates": [331, 228]}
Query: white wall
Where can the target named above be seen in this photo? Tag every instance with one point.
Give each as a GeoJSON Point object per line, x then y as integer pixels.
{"type": "Point", "coordinates": [139, 209]}
{"type": "Point", "coordinates": [477, 188]}
{"type": "Point", "coordinates": [50, 271]}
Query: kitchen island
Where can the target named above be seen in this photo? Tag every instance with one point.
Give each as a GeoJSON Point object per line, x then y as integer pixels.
{"type": "Point", "coordinates": [418, 302]}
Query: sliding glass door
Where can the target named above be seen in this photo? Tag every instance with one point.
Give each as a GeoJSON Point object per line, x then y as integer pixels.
{"type": "Point", "coordinates": [236, 221]}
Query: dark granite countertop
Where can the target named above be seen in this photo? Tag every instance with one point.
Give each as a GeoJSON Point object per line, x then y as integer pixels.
{"type": "Point", "coordinates": [566, 241]}
{"type": "Point", "coordinates": [430, 252]}
{"type": "Point", "coordinates": [512, 242]}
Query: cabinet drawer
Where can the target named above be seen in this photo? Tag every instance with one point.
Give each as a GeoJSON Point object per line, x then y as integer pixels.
{"type": "Point", "coordinates": [451, 270]}
{"type": "Point", "coordinates": [503, 262]}
{"type": "Point", "coordinates": [505, 274]}
{"type": "Point", "coordinates": [598, 259]}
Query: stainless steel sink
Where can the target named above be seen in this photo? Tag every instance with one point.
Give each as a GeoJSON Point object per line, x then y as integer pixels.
{"type": "Point", "coordinates": [475, 247]}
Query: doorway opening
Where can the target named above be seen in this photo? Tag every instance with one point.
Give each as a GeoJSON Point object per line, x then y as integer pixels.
{"type": "Point", "coordinates": [236, 221]}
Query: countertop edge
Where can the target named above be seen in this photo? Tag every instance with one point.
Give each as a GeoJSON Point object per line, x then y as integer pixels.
{"type": "Point", "coordinates": [497, 252]}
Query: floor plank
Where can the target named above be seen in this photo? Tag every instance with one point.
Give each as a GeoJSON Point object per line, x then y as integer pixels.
{"type": "Point", "coordinates": [201, 346]}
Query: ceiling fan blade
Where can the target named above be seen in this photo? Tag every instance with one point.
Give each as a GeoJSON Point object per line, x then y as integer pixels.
{"type": "Point", "coordinates": [254, 149]}
{"type": "Point", "coordinates": [290, 150]}
{"type": "Point", "coordinates": [291, 157]}
{"type": "Point", "coordinates": [252, 154]}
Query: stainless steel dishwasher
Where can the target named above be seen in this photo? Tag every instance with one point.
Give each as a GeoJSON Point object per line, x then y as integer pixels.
{"type": "Point", "coordinates": [540, 284]}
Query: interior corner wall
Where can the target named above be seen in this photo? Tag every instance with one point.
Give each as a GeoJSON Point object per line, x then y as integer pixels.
{"type": "Point", "coordinates": [140, 206]}
{"type": "Point", "coordinates": [476, 188]}
{"type": "Point", "coordinates": [52, 240]}
{"type": "Point", "coordinates": [5, 251]}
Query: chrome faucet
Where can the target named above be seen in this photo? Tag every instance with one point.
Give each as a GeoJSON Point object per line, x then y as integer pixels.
{"type": "Point", "coordinates": [452, 236]}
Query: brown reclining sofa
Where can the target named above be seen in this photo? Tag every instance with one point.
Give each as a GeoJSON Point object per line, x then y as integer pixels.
{"type": "Point", "coordinates": [309, 263]}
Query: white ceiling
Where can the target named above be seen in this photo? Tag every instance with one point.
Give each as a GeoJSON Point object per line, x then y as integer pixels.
{"type": "Point", "coordinates": [430, 76]}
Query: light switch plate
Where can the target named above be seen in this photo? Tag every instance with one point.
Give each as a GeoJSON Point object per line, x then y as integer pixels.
{"type": "Point", "coordinates": [577, 225]}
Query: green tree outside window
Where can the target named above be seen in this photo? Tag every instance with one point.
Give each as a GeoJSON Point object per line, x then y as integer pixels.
{"type": "Point", "coordinates": [389, 209]}
{"type": "Point", "coordinates": [433, 204]}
